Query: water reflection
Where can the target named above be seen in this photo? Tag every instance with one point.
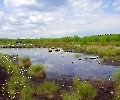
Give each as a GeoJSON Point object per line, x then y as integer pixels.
{"type": "Point", "coordinates": [64, 63]}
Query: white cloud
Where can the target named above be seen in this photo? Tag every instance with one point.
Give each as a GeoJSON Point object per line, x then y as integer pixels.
{"type": "Point", "coordinates": [45, 18]}
{"type": "Point", "coordinates": [116, 4]}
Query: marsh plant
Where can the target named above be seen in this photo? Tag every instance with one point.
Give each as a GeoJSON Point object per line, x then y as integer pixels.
{"type": "Point", "coordinates": [16, 83]}
{"type": "Point", "coordinates": [117, 92]}
{"type": "Point", "coordinates": [66, 95]}
{"type": "Point", "coordinates": [76, 81]}
{"type": "Point", "coordinates": [47, 87]}
{"type": "Point", "coordinates": [25, 62]}
{"type": "Point", "coordinates": [116, 75]}
{"type": "Point", "coordinates": [37, 70]}
{"type": "Point", "coordinates": [86, 91]}
{"type": "Point", "coordinates": [26, 93]}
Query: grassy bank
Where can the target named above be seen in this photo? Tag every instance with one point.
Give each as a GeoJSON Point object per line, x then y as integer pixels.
{"type": "Point", "coordinates": [106, 39]}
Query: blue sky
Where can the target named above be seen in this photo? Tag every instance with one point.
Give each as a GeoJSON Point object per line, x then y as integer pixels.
{"type": "Point", "coordinates": [58, 18]}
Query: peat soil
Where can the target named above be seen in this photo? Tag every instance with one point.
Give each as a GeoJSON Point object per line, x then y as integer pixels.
{"type": "Point", "coordinates": [3, 77]}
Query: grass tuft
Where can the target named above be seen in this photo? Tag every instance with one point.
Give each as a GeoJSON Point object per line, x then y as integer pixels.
{"type": "Point", "coordinates": [47, 87]}
{"type": "Point", "coordinates": [116, 75]}
{"type": "Point", "coordinates": [25, 62]}
{"type": "Point", "coordinates": [76, 81]}
{"type": "Point", "coordinates": [65, 95]}
{"type": "Point", "coordinates": [86, 91]}
{"type": "Point", "coordinates": [37, 70]}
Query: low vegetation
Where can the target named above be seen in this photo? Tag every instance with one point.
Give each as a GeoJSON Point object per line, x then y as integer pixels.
{"type": "Point", "coordinates": [37, 70]}
{"type": "Point", "coordinates": [47, 87]}
{"type": "Point", "coordinates": [25, 62]}
{"type": "Point", "coordinates": [116, 75]}
{"type": "Point", "coordinates": [65, 95]}
{"type": "Point", "coordinates": [86, 91]}
{"type": "Point", "coordinates": [17, 86]}
{"type": "Point", "coordinates": [27, 93]}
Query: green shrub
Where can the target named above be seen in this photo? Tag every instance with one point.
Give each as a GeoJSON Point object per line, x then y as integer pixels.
{"type": "Point", "coordinates": [37, 70]}
{"type": "Point", "coordinates": [47, 87]}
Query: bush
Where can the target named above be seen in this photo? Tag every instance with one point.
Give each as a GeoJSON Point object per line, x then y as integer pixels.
{"type": "Point", "coordinates": [37, 70]}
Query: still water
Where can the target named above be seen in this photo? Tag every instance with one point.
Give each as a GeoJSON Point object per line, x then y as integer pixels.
{"type": "Point", "coordinates": [63, 63]}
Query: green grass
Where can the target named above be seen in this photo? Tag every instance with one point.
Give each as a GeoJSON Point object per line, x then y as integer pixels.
{"type": "Point", "coordinates": [25, 62]}
{"type": "Point", "coordinates": [76, 81]}
{"type": "Point", "coordinates": [65, 95]}
{"type": "Point", "coordinates": [37, 70]}
{"type": "Point", "coordinates": [18, 87]}
{"type": "Point", "coordinates": [15, 84]}
{"type": "Point", "coordinates": [26, 93]}
{"type": "Point", "coordinates": [117, 92]}
{"type": "Point", "coordinates": [47, 87]}
{"type": "Point", "coordinates": [86, 91]}
{"type": "Point", "coordinates": [116, 75]}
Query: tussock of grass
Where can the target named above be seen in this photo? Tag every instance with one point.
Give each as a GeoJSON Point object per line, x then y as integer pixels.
{"type": "Point", "coordinates": [76, 81]}
{"type": "Point", "coordinates": [18, 87]}
{"type": "Point", "coordinates": [47, 87]}
{"type": "Point", "coordinates": [25, 62]}
{"type": "Point", "coordinates": [26, 93]}
{"type": "Point", "coordinates": [117, 92]}
{"type": "Point", "coordinates": [65, 95]}
{"type": "Point", "coordinates": [86, 91]}
{"type": "Point", "coordinates": [16, 83]}
{"type": "Point", "coordinates": [116, 75]}
{"type": "Point", "coordinates": [36, 70]}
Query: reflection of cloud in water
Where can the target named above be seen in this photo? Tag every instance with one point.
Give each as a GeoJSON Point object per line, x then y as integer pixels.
{"type": "Point", "coordinates": [42, 57]}
{"type": "Point", "coordinates": [48, 65]}
{"type": "Point", "coordinates": [36, 53]}
{"type": "Point", "coordinates": [51, 68]}
{"type": "Point", "coordinates": [57, 63]}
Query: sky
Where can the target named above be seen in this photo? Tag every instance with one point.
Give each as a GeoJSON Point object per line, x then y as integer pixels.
{"type": "Point", "coordinates": [58, 18]}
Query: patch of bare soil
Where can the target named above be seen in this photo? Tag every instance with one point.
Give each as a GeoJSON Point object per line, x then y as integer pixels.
{"type": "Point", "coordinates": [3, 77]}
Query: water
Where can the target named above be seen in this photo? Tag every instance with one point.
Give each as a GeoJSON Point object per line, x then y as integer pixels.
{"type": "Point", "coordinates": [62, 63]}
